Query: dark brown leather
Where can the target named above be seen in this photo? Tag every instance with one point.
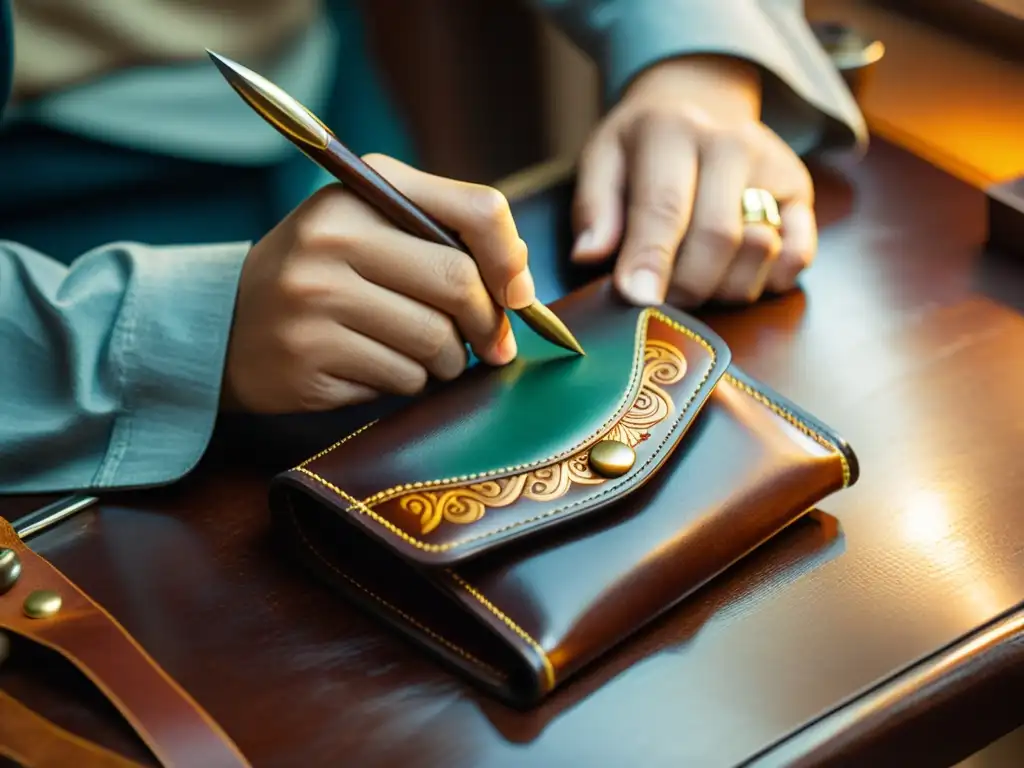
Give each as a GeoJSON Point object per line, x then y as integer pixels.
{"type": "Point", "coordinates": [166, 718]}
{"type": "Point", "coordinates": [476, 564]}
{"type": "Point", "coordinates": [908, 336]}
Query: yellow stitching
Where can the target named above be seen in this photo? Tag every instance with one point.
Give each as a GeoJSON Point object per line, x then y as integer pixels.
{"type": "Point", "coordinates": [664, 366]}
{"type": "Point", "coordinates": [330, 448]}
{"type": "Point", "coordinates": [444, 641]}
{"type": "Point", "coordinates": [355, 505]}
{"type": "Point", "coordinates": [549, 671]}
{"type": "Point", "coordinates": [793, 419]}
{"type": "Point", "coordinates": [639, 343]}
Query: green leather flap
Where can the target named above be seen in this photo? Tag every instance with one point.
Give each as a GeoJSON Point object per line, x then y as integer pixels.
{"type": "Point", "coordinates": [503, 452]}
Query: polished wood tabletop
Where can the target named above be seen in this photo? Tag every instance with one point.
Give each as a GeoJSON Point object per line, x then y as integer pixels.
{"type": "Point", "coordinates": [887, 619]}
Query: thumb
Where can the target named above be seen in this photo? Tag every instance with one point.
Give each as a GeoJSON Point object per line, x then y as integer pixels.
{"type": "Point", "coordinates": [598, 207]}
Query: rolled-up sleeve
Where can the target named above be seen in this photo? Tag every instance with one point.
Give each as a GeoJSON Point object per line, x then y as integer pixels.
{"type": "Point", "coordinates": [112, 367]}
{"type": "Point", "coordinates": [805, 100]}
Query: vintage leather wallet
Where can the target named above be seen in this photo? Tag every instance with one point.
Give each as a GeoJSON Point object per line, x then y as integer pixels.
{"type": "Point", "coordinates": [476, 521]}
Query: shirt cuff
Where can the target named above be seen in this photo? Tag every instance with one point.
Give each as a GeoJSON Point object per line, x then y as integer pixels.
{"type": "Point", "coordinates": [802, 112]}
{"type": "Point", "coordinates": [171, 342]}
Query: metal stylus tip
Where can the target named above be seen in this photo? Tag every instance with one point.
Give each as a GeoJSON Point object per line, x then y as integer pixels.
{"type": "Point", "coordinates": [547, 324]}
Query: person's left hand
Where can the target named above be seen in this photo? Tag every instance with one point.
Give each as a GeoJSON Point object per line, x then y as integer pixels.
{"type": "Point", "coordinates": [663, 176]}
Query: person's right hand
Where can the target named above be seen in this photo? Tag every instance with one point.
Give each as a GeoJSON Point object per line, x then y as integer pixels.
{"type": "Point", "coordinates": [336, 306]}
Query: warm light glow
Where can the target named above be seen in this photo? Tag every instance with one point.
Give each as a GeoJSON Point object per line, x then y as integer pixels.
{"type": "Point", "coordinates": [926, 520]}
{"type": "Point", "coordinates": [928, 524]}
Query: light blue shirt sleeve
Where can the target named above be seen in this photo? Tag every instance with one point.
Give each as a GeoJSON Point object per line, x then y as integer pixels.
{"type": "Point", "coordinates": [111, 368]}
{"type": "Point", "coordinates": [805, 99]}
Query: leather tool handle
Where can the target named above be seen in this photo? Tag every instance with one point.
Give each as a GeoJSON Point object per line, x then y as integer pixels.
{"type": "Point", "coordinates": [174, 727]}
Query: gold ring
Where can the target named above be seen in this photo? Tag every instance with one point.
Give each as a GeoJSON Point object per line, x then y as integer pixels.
{"type": "Point", "coordinates": [760, 207]}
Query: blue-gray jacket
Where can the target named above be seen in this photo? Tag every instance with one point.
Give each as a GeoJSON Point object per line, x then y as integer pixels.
{"type": "Point", "coordinates": [110, 369]}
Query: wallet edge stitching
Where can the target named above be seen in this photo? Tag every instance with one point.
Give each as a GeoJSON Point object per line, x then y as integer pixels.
{"type": "Point", "coordinates": [362, 508]}
{"type": "Point", "coordinates": [365, 509]}
{"type": "Point", "coordinates": [796, 421]}
{"type": "Point", "coordinates": [394, 609]}
{"type": "Point", "coordinates": [628, 397]}
{"type": "Point", "coordinates": [549, 670]}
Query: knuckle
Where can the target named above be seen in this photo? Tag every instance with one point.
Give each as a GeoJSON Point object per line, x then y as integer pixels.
{"type": "Point", "coordinates": [410, 381]}
{"type": "Point", "coordinates": [316, 393]}
{"type": "Point", "coordinates": [319, 229]}
{"type": "Point", "coordinates": [437, 335]}
{"type": "Point", "coordinates": [656, 257]}
{"type": "Point", "coordinates": [721, 237]}
{"type": "Point", "coordinates": [309, 230]}
{"type": "Point", "coordinates": [512, 261]}
{"type": "Point", "coordinates": [664, 204]}
{"type": "Point", "coordinates": [298, 288]}
{"type": "Point", "coordinates": [459, 273]}
{"type": "Point", "coordinates": [491, 205]}
{"type": "Point", "coordinates": [451, 370]}
{"type": "Point", "coordinates": [692, 121]}
{"type": "Point", "coordinates": [327, 220]}
{"type": "Point", "coordinates": [656, 120]}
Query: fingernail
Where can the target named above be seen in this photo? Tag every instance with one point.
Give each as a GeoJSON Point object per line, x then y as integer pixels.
{"type": "Point", "coordinates": [587, 246]}
{"type": "Point", "coordinates": [507, 347]}
{"type": "Point", "coordinates": [587, 241]}
{"type": "Point", "coordinates": [643, 287]}
{"type": "Point", "coordinates": [520, 292]}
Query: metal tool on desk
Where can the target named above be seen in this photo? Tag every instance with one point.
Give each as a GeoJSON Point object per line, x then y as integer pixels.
{"type": "Point", "coordinates": [309, 134]}
{"type": "Point", "coordinates": [35, 522]}
{"type": "Point", "coordinates": [40, 519]}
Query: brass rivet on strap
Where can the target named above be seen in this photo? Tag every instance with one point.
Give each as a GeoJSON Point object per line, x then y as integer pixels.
{"type": "Point", "coordinates": [611, 458]}
{"type": "Point", "coordinates": [42, 604]}
{"type": "Point", "coordinates": [10, 569]}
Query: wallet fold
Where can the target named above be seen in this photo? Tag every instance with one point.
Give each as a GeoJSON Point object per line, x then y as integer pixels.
{"type": "Point", "coordinates": [481, 520]}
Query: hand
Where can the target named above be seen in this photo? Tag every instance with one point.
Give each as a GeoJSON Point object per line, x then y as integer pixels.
{"type": "Point", "coordinates": [668, 166]}
{"type": "Point", "coordinates": [336, 306]}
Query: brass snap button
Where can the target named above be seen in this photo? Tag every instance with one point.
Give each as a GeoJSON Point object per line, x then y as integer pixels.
{"type": "Point", "coordinates": [611, 458]}
{"type": "Point", "coordinates": [10, 569]}
{"type": "Point", "coordinates": [42, 604]}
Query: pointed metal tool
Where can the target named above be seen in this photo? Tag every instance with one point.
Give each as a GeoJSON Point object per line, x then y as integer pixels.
{"type": "Point", "coordinates": [308, 133]}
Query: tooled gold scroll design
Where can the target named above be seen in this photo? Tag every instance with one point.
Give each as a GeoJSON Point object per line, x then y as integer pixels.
{"type": "Point", "coordinates": [664, 365]}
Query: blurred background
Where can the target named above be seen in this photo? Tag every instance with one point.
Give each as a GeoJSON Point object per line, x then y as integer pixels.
{"type": "Point", "coordinates": [473, 89]}
{"type": "Point", "coordinates": [491, 88]}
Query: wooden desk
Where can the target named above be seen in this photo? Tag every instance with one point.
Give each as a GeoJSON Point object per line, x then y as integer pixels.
{"type": "Point", "coordinates": [891, 621]}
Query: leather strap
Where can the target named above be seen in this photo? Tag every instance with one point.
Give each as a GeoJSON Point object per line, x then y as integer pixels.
{"type": "Point", "coordinates": [175, 728]}
{"type": "Point", "coordinates": [32, 741]}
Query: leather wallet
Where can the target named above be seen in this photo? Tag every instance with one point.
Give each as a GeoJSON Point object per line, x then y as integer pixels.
{"type": "Point", "coordinates": [520, 522]}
